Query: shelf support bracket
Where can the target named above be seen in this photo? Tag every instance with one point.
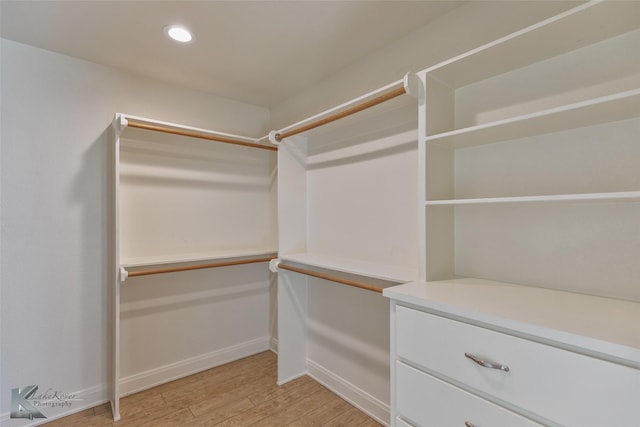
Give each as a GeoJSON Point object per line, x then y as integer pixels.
{"type": "Point", "coordinates": [123, 274]}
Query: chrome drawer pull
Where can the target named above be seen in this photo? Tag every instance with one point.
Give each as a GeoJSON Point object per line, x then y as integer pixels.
{"type": "Point", "coordinates": [468, 424]}
{"type": "Point", "coordinates": [486, 364]}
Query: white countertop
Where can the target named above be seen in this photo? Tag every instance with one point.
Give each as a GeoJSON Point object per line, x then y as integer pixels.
{"type": "Point", "coordinates": [602, 327]}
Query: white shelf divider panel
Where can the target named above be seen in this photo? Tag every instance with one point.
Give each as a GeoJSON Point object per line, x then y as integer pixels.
{"type": "Point", "coordinates": [571, 30]}
{"type": "Point", "coordinates": [618, 196]}
{"type": "Point", "coordinates": [370, 269]}
{"type": "Point", "coordinates": [605, 109]}
{"type": "Point", "coordinates": [565, 319]}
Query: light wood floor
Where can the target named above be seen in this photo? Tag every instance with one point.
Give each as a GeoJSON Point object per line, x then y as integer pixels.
{"type": "Point", "coordinates": [241, 393]}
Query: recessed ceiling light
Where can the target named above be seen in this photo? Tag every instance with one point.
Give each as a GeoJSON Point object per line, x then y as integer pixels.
{"type": "Point", "coordinates": [178, 33]}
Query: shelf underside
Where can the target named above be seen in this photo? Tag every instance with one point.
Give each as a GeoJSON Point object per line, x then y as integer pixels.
{"type": "Point", "coordinates": [370, 269]}
{"type": "Point", "coordinates": [155, 128]}
{"type": "Point", "coordinates": [618, 196]}
{"type": "Point", "coordinates": [212, 256]}
{"type": "Point", "coordinates": [620, 106]}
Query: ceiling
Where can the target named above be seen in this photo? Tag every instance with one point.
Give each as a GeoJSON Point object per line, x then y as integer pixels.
{"type": "Point", "coordinates": [260, 52]}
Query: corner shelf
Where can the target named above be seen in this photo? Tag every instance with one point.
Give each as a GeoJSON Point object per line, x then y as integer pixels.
{"type": "Point", "coordinates": [620, 106]}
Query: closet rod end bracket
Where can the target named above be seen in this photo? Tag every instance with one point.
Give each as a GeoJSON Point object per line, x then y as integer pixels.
{"type": "Point", "coordinates": [274, 137]}
{"type": "Point", "coordinates": [412, 85]}
{"type": "Point", "coordinates": [121, 121]}
{"type": "Point", "coordinates": [123, 274]}
{"type": "Point", "coordinates": [273, 265]}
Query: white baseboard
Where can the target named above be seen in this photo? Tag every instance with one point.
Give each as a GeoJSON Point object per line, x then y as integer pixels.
{"type": "Point", "coordinates": [295, 377]}
{"type": "Point", "coordinates": [362, 400]}
{"type": "Point", "coordinates": [90, 397]}
{"type": "Point", "coordinates": [163, 374]}
{"type": "Point", "coordinates": [273, 345]}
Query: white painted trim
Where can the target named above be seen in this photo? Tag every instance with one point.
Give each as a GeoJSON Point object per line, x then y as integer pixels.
{"type": "Point", "coordinates": [273, 345]}
{"type": "Point", "coordinates": [153, 377]}
{"type": "Point", "coordinates": [91, 397]}
{"type": "Point", "coordinates": [359, 398]}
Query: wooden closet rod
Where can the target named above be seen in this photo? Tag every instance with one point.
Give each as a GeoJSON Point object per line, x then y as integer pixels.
{"type": "Point", "coordinates": [198, 266]}
{"type": "Point", "coordinates": [134, 124]}
{"type": "Point", "coordinates": [337, 279]}
{"type": "Point", "coordinates": [349, 111]}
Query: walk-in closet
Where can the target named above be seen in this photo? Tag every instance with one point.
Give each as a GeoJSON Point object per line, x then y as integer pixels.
{"type": "Point", "coordinates": [405, 214]}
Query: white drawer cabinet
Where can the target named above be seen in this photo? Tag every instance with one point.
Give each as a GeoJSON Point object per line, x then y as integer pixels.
{"type": "Point", "coordinates": [540, 375]}
{"type": "Point", "coordinates": [557, 385]}
{"type": "Point", "coordinates": [427, 401]}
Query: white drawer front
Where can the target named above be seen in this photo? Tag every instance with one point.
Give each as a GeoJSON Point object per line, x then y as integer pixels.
{"type": "Point", "coordinates": [428, 401]}
{"type": "Point", "coordinates": [561, 386]}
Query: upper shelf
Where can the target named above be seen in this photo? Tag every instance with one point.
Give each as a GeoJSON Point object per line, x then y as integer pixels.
{"type": "Point", "coordinates": [619, 106]}
{"type": "Point", "coordinates": [128, 122]}
{"type": "Point", "coordinates": [392, 273]}
{"type": "Point", "coordinates": [195, 257]}
{"type": "Point", "coordinates": [573, 29]}
{"type": "Point", "coordinates": [372, 104]}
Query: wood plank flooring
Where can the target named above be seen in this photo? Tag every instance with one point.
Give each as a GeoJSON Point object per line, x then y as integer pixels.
{"type": "Point", "coordinates": [241, 393]}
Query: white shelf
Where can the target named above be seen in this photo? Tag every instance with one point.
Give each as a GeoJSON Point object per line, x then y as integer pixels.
{"type": "Point", "coordinates": [573, 29]}
{"type": "Point", "coordinates": [619, 106]}
{"type": "Point", "coordinates": [621, 196]}
{"type": "Point", "coordinates": [373, 270]}
{"type": "Point", "coordinates": [179, 127]}
{"type": "Point", "coordinates": [603, 327]}
{"type": "Point", "coordinates": [196, 257]}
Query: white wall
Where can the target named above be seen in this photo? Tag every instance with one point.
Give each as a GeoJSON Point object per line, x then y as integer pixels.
{"type": "Point", "coordinates": [55, 113]}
